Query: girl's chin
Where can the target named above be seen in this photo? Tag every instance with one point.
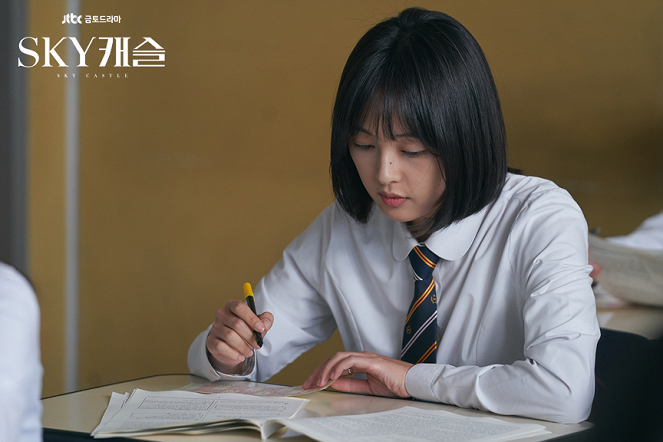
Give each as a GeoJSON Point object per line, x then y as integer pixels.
{"type": "Point", "coordinates": [396, 213]}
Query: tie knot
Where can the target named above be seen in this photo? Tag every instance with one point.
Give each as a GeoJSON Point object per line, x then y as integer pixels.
{"type": "Point", "coordinates": [423, 261]}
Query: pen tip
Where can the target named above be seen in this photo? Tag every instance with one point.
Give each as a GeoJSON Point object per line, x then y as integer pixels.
{"type": "Point", "coordinates": [247, 289]}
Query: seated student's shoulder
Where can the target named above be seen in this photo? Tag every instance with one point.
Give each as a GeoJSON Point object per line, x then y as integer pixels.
{"type": "Point", "coordinates": [533, 193]}
{"type": "Point", "coordinates": [530, 188]}
{"type": "Point", "coordinates": [541, 213]}
{"type": "Point", "coordinates": [17, 289]}
{"type": "Point", "coordinates": [335, 222]}
{"type": "Point", "coordinates": [331, 224]}
{"type": "Point", "coordinates": [335, 230]}
{"type": "Point", "coordinates": [332, 218]}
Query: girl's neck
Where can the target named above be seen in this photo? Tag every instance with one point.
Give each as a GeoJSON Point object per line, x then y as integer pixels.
{"type": "Point", "coordinates": [415, 230]}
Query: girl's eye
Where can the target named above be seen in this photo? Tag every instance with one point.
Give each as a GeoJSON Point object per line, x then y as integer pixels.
{"type": "Point", "coordinates": [412, 154]}
{"type": "Point", "coordinates": [362, 146]}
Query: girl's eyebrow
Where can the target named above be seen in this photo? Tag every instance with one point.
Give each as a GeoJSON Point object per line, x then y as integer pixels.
{"type": "Point", "coordinates": [396, 136]}
{"type": "Point", "coordinates": [362, 130]}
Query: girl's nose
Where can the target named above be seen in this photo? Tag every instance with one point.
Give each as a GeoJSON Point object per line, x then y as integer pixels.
{"type": "Point", "coordinates": [388, 171]}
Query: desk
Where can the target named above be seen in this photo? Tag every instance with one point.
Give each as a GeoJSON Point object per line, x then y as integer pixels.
{"type": "Point", "coordinates": [76, 414]}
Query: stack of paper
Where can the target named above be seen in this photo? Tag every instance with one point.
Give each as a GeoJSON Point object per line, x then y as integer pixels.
{"type": "Point", "coordinates": [150, 412]}
{"type": "Point", "coordinates": [413, 425]}
{"type": "Point", "coordinates": [630, 274]}
{"type": "Point", "coordinates": [252, 388]}
{"type": "Point", "coordinates": [144, 412]}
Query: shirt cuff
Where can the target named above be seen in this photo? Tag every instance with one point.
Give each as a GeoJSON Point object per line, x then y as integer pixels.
{"type": "Point", "coordinates": [419, 380]}
{"type": "Point", "coordinates": [249, 370]}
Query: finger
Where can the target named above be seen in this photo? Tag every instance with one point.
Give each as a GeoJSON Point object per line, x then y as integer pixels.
{"type": "Point", "coordinates": [237, 336]}
{"type": "Point", "coordinates": [228, 318]}
{"type": "Point", "coordinates": [352, 385]}
{"type": "Point", "coordinates": [350, 363]}
{"type": "Point", "coordinates": [267, 320]}
{"type": "Point", "coordinates": [313, 379]}
{"type": "Point", "coordinates": [243, 312]}
{"type": "Point", "coordinates": [228, 353]}
{"type": "Point", "coordinates": [386, 376]}
{"type": "Point", "coordinates": [335, 367]}
{"type": "Point", "coordinates": [232, 330]}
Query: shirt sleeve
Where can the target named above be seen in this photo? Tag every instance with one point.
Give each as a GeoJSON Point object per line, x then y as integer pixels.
{"type": "Point", "coordinates": [547, 249]}
{"type": "Point", "coordinates": [290, 291]}
{"type": "Point", "coordinates": [20, 367]}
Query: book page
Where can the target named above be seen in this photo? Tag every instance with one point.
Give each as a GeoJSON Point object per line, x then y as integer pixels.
{"type": "Point", "coordinates": [251, 388]}
{"type": "Point", "coordinates": [177, 410]}
{"type": "Point", "coordinates": [115, 404]}
{"type": "Point", "coordinates": [630, 274]}
{"type": "Point", "coordinates": [411, 424]}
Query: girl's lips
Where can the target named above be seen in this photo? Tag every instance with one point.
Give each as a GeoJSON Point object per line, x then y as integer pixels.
{"type": "Point", "coordinates": [392, 200]}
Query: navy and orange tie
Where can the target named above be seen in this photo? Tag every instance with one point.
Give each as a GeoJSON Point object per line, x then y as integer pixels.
{"type": "Point", "coordinates": [420, 334]}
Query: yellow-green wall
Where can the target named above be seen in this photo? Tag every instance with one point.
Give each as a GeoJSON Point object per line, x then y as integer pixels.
{"type": "Point", "coordinates": [46, 196]}
{"type": "Point", "coordinates": [195, 176]}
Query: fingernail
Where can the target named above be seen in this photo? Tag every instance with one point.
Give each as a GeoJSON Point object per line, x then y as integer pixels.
{"type": "Point", "coordinates": [260, 327]}
{"type": "Point", "coordinates": [267, 323]}
{"type": "Point", "coordinates": [250, 353]}
{"type": "Point", "coordinates": [241, 358]}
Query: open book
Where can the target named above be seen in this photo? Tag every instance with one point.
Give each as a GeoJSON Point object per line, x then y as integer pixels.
{"type": "Point", "coordinates": [150, 412]}
{"type": "Point", "coordinates": [630, 274]}
{"type": "Point", "coordinates": [145, 412]}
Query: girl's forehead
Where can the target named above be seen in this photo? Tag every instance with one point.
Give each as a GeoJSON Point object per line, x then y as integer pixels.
{"type": "Point", "coordinates": [378, 123]}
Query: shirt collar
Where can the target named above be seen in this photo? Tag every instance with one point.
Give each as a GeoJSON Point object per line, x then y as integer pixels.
{"type": "Point", "coordinates": [450, 243]}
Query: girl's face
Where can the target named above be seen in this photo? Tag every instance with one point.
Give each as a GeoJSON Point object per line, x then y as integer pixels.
{"type": "Point", "coordinates": [402, 177]}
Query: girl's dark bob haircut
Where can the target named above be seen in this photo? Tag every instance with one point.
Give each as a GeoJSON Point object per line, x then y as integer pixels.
{"type": "Point", "coordinates": [426, 70]}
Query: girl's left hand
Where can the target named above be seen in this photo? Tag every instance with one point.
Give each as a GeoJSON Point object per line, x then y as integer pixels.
{"type": "Point", "coordinates": [384, 376]}
{"type": "Point", "coordinates": [596, 269]}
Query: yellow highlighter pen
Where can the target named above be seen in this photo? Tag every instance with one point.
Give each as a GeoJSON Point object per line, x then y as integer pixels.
{"type": "Point", "coordinates": [250, 301]}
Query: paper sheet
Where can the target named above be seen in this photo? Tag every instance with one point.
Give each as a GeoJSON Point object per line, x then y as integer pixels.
{"type": "Point", "coordinates": [251, 388]}
{"type": "Point", "coordinates": [630, 274]}
{"type": "Point", "coordinates": [181, 410]}
{"type": "Point", "coordinates": [116, 402]}
{"type": "Point", "coordinates": [193, 413]}
{"type": "Point", "coordinates": [412, 424]}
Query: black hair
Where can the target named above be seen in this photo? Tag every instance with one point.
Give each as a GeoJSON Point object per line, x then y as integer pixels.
{"type": "Point", "coordinates": [425, 69]}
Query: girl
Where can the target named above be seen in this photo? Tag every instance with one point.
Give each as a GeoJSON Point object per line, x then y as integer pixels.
{"type": "Point", "coordinates": [449, 278]}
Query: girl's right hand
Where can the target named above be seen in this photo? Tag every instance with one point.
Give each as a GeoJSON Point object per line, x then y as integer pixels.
{"type": "Point", "coordinates": [231, 339]}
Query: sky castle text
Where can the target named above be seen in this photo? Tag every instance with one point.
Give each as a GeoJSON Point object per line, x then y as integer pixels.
{"type": "Point", "coordinates": [146, 54]}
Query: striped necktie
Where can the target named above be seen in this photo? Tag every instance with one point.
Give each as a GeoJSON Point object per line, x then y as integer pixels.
{"type": "Point", "coordinates": [420, 334]}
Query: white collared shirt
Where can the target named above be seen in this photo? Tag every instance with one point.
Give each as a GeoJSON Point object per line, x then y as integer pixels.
{"type": "Point", "coordinates": [516, 316]}
{"type": "Point", "coordinates": [20, 364]}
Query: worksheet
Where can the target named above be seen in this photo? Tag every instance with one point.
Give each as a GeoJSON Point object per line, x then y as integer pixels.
{"type": "Point", "coordinates": [181, 411]}
{"type": "Point", "coordinates": [631, 274]}
{"type": "Point", "coordinates": [251, 388]}
{"type": "Point", "coordinates": [410, 424]}
{"type": "Point", "coordinates": [145, 412]}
